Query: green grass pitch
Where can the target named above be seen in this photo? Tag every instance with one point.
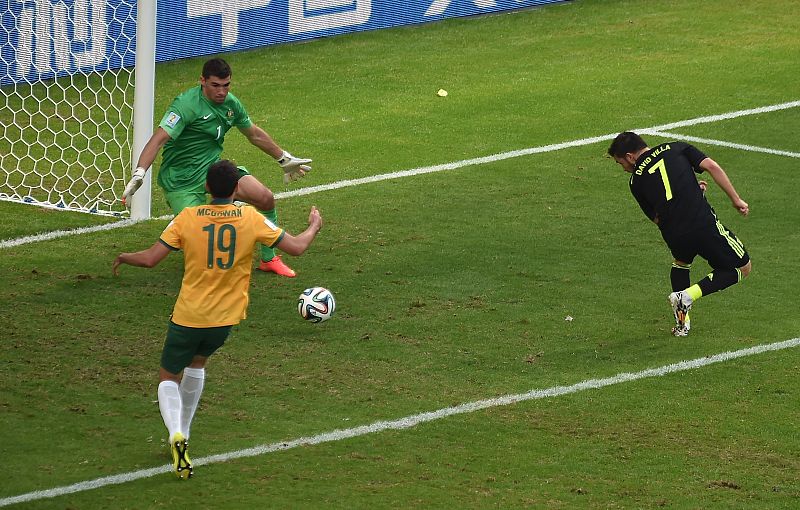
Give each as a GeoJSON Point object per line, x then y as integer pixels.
{"type": "Point", "coordinates": [452, 287]}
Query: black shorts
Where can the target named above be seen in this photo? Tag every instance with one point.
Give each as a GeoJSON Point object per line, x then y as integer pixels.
{"type": "Point", "coordinates": [714, 242]}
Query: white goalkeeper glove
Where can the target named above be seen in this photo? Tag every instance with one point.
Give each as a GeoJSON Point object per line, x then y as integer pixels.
{"type": "Point", "coordinates": [293, 168]}
{"type": "Point", "coordinates": [134, 184]}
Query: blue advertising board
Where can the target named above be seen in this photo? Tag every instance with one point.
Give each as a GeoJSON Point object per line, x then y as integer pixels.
{"type": "Point", "coordinates": [202, 27]}
{"type": "Point", "coordinates": [41, 39]}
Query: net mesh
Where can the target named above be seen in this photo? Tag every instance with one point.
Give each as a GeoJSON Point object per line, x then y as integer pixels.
{"type": "Point", "coordinates": [66, 114]}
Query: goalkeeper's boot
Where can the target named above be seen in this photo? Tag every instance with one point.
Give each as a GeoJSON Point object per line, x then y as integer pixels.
{"type": "Point", "coordinates": [277, 266]}
{"type": "Point", "coordinates": [681, 304]}
{"type": "Point", "coordinates": [181, 462]}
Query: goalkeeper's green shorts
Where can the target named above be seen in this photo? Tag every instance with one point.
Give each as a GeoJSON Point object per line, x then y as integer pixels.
{"type": "Point", "coordinates": [180, 200]}
{"type": "Point", "coordinates": [184, 343]}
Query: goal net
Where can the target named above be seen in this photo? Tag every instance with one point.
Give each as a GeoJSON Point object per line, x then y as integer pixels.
{"type": "Point", "coordinates": [66, 102]}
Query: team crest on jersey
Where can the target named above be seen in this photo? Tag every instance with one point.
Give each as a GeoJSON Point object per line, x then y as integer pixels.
{"type": "Point", "coordinates": [230, 113]}
{"type": "Point", "coordinates": [172, 119]}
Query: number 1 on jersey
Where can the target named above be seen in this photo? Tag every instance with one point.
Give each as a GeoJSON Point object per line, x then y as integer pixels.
{"type": "Point", "coordinates": [662, 167]}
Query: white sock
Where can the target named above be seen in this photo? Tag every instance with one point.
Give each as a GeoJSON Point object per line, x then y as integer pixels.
{"type": "Point", "coordinates": [191, 389]}
{"type": "Point", "coordinates": [169, 402]}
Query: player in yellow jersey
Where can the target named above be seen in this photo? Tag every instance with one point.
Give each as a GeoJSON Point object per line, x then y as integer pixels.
{"type": "Point", "coordinates": [218, 241]}
{"type": "Point", "coordinates": [192, 133]}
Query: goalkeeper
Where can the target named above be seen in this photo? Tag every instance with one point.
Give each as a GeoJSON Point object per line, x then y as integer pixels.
{"type": "Point", "coordinates": [192, 133]}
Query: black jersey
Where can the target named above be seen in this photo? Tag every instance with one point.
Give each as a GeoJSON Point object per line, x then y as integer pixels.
{"type": "Point", "coordinates": [664, 183]}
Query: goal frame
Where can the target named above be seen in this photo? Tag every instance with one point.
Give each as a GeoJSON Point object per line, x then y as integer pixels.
{"type": "Point", "coordinates": [78, 84]}
{"type": "Point", "coordinates": [144, 93]}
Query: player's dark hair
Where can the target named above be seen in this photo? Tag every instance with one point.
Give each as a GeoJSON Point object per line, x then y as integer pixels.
{"type": "Point", "coordinates": [216, 67]}
{"type": "Point", "coordinates": [624, 143]}
{"type": "Point", "coordinates": [222, 178]}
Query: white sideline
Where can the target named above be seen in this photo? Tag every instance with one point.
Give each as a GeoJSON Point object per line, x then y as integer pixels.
{"type": "Point", "coordinates": [10, 243]}
{"type": "Point", "coordinates": [721, 143]}
{"type": "Point", "coordinates": [408, 421]}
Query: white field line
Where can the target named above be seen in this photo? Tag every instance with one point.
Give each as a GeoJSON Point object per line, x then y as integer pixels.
{"type": "Point", "coordinates": [721, 143]}
{"type": "Point", "coordinates": [47, 236]}
{"type": "Point", "coordinates": [10, 243]}
{"type": "Point", "coordinates": [728, 116]}
{"type": "Point", "coordinates": [408, 421]}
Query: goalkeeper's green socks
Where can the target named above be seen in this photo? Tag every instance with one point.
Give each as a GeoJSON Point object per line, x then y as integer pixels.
{"type": "Point", "coordinates": [270, 262]}
{"type": "Point", "coordinates": [268, 253]}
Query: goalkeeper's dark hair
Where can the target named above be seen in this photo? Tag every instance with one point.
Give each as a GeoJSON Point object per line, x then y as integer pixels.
{"type": "Point", "coordinates": [216, 67]}
{"type": "Point", "coordinates": [624, 143]}
{"type": "Point", "coordinates": [222, 179]}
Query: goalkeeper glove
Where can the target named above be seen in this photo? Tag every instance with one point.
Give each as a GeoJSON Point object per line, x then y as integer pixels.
{"type": "Point", "coordinates": [293, 168]}
{"type": "Point", "coordinates": [134, 184]}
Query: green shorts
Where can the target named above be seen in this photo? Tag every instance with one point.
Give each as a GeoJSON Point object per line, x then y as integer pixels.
{"type": "Point", "coordinates": [184, 343]}
{"type": "Point", "coordinates": [180, 200]}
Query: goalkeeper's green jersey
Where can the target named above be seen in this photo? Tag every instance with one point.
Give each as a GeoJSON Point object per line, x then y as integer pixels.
{"type": "Point", "coordinates": [197, 128]}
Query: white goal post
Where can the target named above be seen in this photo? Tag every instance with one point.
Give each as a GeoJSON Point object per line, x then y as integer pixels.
{"type": "Point", "coordinates": [76, 102]}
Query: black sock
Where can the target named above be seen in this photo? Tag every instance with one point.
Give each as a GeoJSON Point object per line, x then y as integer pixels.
{"type": "Point", "coordinates": [718, 280]}
{"type": "Point", "coordinates": [679, 277]}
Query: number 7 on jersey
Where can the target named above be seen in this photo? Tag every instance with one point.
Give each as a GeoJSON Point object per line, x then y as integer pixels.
{"type": "Point", "coordinates": [662, 168]}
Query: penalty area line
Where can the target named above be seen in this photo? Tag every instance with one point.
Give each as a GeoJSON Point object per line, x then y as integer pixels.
{"type": "Point", "coordinates": [409, 421]}
{"type": "Point", "coordinates": [9, 243]}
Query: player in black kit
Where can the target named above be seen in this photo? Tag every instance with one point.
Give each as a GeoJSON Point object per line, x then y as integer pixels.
{"type": "Point", "coordinates": [663, 181]}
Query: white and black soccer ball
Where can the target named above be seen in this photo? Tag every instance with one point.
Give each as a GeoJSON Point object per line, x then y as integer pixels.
{"type": "Point", "coordinates": [316, 304]}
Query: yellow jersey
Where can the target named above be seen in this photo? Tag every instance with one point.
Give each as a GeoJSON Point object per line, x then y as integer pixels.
{"type": "Point", "coordinates": [217, 241]}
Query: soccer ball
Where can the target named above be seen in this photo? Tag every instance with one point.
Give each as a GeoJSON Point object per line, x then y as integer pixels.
{"type": "Point", "coordinates": [316, 304]}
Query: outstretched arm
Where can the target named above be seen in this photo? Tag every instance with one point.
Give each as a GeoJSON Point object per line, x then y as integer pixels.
{"type": "Point", "coordinates": [721, 178]}
{"type": "Point", "coordinates": [296, 245]}
{"type": "Point", "coordinates": [151, 148]}
{"type": "Point", "coordinates": [146, 158]}
{"type": "Point", "coordinates": [145, 258]}
{"type": "Point", "coordinates": [262, 140]}
{"type": "Point", "coordinates": [293, 168]}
